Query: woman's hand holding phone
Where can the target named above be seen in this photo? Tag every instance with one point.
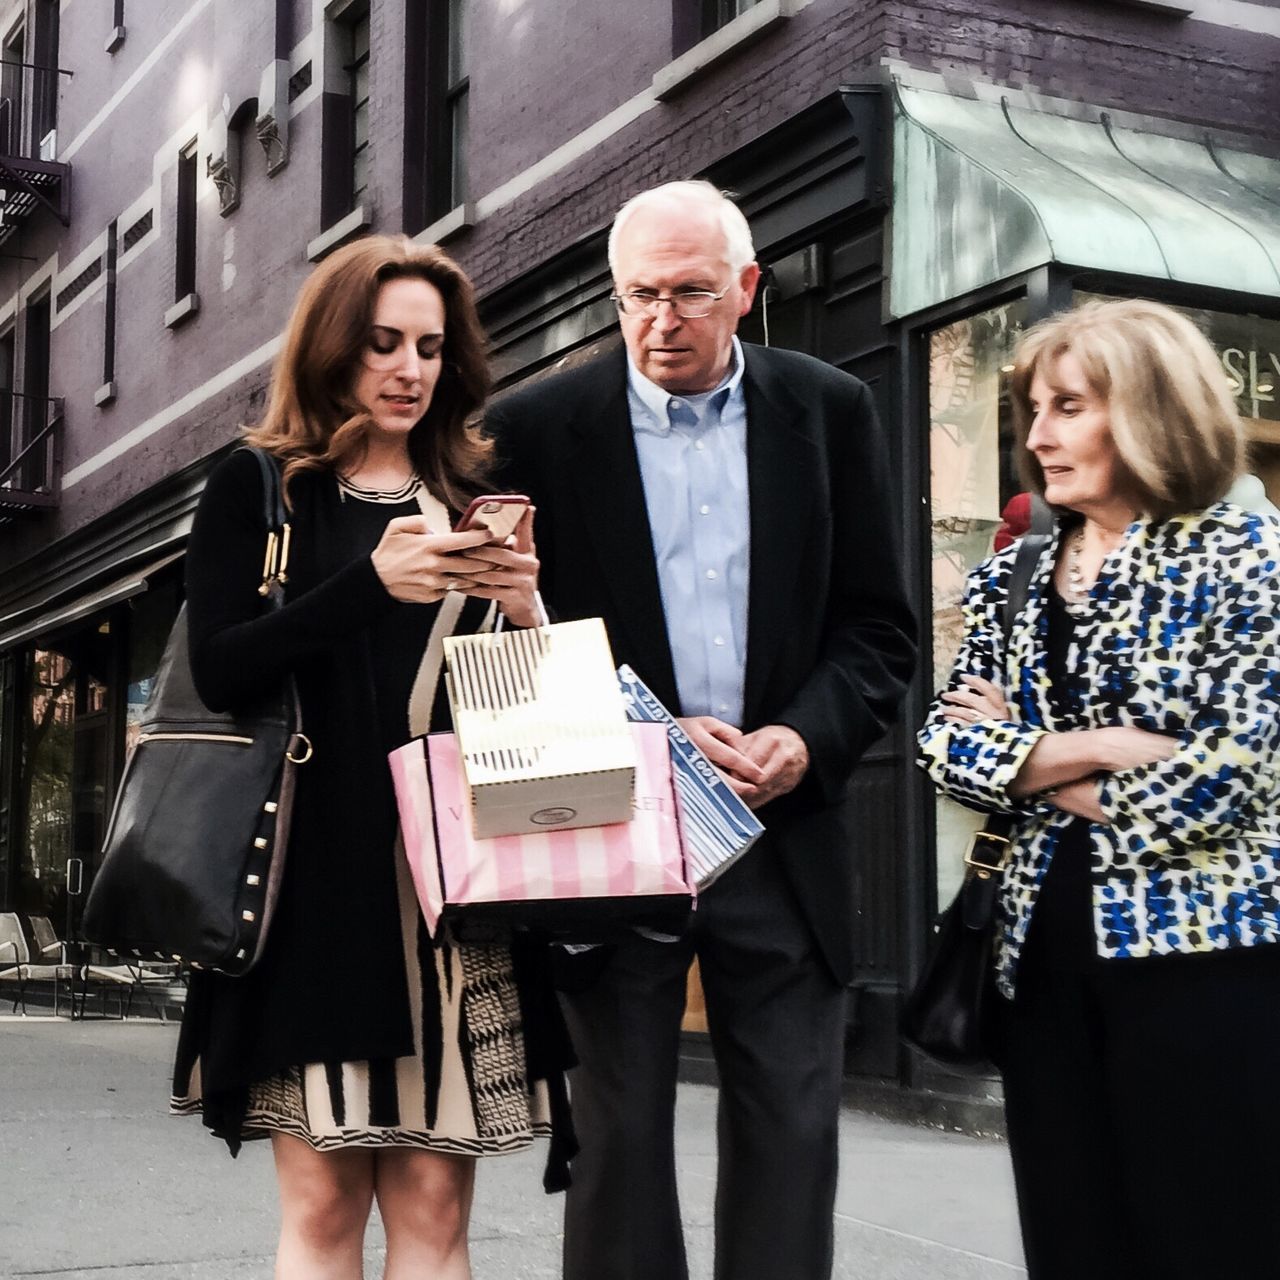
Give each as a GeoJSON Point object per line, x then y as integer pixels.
{"type": "Point", "coordinates": [511, 577]}
{"type": "Point", "coordinates": [418, 566]}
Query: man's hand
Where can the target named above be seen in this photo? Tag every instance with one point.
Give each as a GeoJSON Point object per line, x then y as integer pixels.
{"type": "Point", "coordinates": [722, 744]}
{"type": "Point", "coordinates": [783, 760]}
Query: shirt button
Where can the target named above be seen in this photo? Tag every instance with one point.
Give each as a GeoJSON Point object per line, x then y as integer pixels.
{"type": "Point", "coordinates": [704, 510]}
{"type": "Point", "coordinates": [697, 444]}
{"type": "Point", "coordinates": [724, 706]}
{"type": "Point", "coordinates": [712, 575]}
{"type": "Point", "coordinates": [718, 642]}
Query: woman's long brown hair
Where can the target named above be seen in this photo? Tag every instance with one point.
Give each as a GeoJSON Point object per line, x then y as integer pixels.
{"type": "Point", "coordinates": [313, 420]}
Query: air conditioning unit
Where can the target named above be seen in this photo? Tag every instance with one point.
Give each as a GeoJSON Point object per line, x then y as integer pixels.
{"type": "Point", "coordinates": [49, 145]}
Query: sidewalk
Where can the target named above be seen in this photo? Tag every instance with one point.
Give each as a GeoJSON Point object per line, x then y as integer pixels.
{"type": "Point", "coordinates": [98, 1183]}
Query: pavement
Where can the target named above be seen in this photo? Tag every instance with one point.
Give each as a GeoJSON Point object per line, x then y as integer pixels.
{"type": "Point", "coordinates": [97, 1182]}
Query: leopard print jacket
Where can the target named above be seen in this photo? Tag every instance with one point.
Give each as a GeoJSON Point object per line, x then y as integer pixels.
{"type": "Point", "coordinates": [1182, 638]}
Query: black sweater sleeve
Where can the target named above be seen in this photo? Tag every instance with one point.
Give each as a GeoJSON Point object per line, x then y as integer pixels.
{"type": "Point", "coordinates": [240, 648]}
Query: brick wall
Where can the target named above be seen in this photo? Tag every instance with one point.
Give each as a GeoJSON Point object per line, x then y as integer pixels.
{"type": "Point", "coordinates": [1100, 53]}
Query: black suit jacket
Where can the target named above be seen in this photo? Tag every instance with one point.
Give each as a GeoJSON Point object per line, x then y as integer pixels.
{"type": "Point", "coordinates": [830, 636]}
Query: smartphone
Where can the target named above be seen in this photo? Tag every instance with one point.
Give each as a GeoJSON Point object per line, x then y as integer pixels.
{"type": "Point", "coordinates": [497, 513]}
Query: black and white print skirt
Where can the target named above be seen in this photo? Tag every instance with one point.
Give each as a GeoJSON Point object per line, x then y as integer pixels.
{"type": "Point", "coordinates": [463, 1092]}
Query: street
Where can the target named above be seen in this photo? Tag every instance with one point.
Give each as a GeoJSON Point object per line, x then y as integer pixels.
{"type": "Point", "coordinates": [97, 1182]}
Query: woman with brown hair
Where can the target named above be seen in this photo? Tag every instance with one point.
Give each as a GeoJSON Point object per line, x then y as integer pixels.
{"type": "Point", "coordinates": [378, 1061]}
{"type": "Point", "coordinates": [1130, 724]}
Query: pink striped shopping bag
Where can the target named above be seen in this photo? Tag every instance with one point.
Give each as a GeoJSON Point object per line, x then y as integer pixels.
{"type": "Point", "coordinates": [575, 882]}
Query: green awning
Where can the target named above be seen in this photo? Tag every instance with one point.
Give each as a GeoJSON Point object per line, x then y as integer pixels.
{"type": "Point", "coordinates": [987, 187]}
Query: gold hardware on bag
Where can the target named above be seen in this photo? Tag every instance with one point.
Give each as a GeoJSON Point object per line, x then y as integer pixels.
{"type": "Point", "coordinates": [306, 743]}
{"type": "Point", "coordinates": [268, 563]}
{"type": "Point", "coordinates": [276, 558]}
{"type": "Point", "coordinates": [985, 869]}
{"type": "Point", "coordinates": [238, 739]}
{"type": "Point", "coordinates": [281, 575]}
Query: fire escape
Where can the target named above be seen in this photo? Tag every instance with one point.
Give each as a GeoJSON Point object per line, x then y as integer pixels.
{"type": "Point", "coordinates": [31, 180]}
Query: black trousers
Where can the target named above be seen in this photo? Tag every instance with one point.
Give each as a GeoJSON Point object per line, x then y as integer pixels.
{"type": "Point", "coordinates": [776, 1019]}
{"type": "Point", "coordinates": [1143, 1103]}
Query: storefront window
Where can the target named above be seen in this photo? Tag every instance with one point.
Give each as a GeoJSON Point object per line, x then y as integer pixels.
{"type": "Point", "coordinates": [45, 784]}
{"type": "Point", "coordinates": [972, 477]}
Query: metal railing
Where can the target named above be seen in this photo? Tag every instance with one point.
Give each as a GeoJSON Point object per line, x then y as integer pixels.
{"type": "Point", "coordinates": [28, 110]}
{"type": "Point", "coordinates": [30, 453]}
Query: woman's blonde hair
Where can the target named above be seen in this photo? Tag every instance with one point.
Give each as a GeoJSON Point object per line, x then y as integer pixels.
{"type": "Point", "coordinates": [1174, 423]}
{"type": "Point", "coordinates": [313, 419]}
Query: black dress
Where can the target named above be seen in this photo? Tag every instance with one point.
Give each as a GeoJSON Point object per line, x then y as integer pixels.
{"type": "Point", "coordinates": [445, 1066]}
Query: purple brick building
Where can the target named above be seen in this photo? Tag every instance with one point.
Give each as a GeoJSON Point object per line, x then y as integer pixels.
{"type": "Point", "coordinates": [923, 180]}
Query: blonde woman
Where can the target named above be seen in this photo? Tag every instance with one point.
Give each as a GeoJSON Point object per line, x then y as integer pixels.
{"type": "Point", "coordinates": [1133, 728]}
{"type": "Point", "coordinates": [379, 1063]}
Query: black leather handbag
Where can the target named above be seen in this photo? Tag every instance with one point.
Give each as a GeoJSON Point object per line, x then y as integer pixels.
{"type": "Point", "coordinates": [195, 850]}
{"type": "Point", "coordinates": [947, 1015]}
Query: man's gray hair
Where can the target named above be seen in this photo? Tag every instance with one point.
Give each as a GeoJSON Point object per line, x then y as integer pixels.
{"type": "Point", "coordinates": [737, 234]}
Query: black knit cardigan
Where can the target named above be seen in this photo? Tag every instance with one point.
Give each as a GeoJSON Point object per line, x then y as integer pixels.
{"type": "Point", "coordinates": [331, 984]}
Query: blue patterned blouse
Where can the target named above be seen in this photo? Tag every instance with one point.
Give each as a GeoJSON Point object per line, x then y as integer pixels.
{"type": "Point", "coordinates": [1182, 638]}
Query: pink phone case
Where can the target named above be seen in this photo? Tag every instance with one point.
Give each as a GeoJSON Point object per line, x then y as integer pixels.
{"type": "Point", "coordinates": [499, 513]}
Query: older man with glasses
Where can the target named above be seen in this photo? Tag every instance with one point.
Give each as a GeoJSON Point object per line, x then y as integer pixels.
{"type": "Point", "coordinates": [727, 510]}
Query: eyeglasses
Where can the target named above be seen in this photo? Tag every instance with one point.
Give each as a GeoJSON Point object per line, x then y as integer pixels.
{"type": "Point", "coordinates": [692, 304]}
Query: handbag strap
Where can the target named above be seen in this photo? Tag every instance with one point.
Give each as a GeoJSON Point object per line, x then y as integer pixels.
{"type": "Point", "coordinates": [422, 699]}
{"type": "Point", "coordinates": [1030, 545]}
{"type": "Point", "coordinates": [999, 826]}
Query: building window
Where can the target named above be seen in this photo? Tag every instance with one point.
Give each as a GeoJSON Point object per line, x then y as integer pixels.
{"type": "Point", "coordinates": [8, 418]}
{"type": "Point", "coordinates": [346, 151]}
{"type": "Point", "coordinates": [718, 13]}
{"type": "Point", "coordinates": [45, 87]}
{"type": "Point", "coordinates": [184, 270]}
{"type": "Point", "coordinates": [109, 318]}
{"type": "Point", "coordinates": [11, 93]}
{"type": "Point", "coordinates": [972, 476]}
{"type": "Point", "coordinates": [448, 93]}
{"type": "Point", "coordinates": [359, 72]}
{"type": "Point", "coordinates": [33, 472]}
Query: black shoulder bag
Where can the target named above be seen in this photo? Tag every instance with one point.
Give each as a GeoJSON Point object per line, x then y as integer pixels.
{"type": "Point", "coordinates": [948, 1012]}
{"type": "Point", "coordinates": [195, 850]}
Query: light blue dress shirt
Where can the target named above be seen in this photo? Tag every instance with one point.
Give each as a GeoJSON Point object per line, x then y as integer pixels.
{"type": "Point", "coordinates": [693, 462]}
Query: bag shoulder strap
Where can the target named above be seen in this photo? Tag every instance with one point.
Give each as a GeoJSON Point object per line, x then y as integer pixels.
{"type": "Point", "coordinates": [1030, 546]}
{"type": "Point", "coordinates": [423, 695]}
{"type": "Point", "coordinates": [274, 516]}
